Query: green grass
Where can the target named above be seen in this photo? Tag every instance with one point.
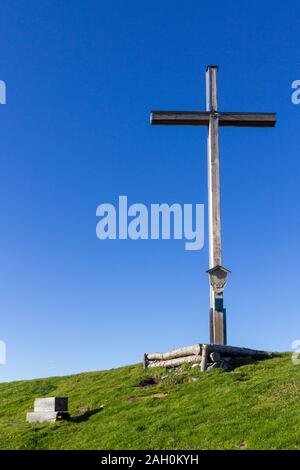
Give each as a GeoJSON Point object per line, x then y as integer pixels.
{"type": "Point", "coordinates": [256, 406]}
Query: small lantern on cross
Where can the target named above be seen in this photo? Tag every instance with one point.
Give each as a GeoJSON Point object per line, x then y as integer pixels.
{"type": "Point", "coordinates": [218, 279]}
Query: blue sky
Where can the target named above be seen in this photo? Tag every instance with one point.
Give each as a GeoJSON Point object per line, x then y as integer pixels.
{"type": "Point", "coordinates": [82, 77]}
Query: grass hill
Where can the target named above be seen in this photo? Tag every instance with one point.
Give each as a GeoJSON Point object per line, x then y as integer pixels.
{"type": "Point", "coordinates": [256, 406]}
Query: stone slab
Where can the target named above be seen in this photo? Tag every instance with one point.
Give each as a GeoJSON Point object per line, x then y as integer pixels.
{"type": "Point", "coordinates": [39, 417]}
{"type": "Point", "coordinates": [51, 404]}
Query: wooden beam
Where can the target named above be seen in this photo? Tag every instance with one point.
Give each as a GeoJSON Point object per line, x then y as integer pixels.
{"type": "Point", "coordinates": [214, 207]}
{"type": "Point", "coordinates": [211, 89]}
{"type": "Point", "coordinates": [179, 118]}
{"type": "Point", "coordinates": [247, 119]}
{"type": "Point", "coordinates": [194, 118]}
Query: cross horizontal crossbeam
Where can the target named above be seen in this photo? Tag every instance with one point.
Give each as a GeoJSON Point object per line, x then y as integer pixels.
{"type": "Point", "coordinates": [194, 118]}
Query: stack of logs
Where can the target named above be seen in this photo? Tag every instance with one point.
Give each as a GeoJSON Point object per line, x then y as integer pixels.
{"type": "Point", "coordinates": [201, 354]}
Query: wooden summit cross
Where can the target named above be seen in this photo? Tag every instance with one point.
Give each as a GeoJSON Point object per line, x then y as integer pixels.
{"type": "Point", "coordinates": [213, 119]}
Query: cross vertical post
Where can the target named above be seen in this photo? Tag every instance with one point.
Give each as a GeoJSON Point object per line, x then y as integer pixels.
{"type": "Point", "coordinates": [217, 317]}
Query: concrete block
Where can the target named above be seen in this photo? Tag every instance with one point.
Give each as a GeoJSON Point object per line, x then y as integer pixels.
{"type": "Point", "coordinates": [51, 404]}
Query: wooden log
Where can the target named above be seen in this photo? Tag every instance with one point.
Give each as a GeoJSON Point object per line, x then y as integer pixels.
{"type": "Point", "coordinates": [146, 362]}
{"type": "Point", "coordinates": [176, 353]}
{"type": "Point", "coordinates": [175, 362]}
{"type": "Point", "coordinates": [234, 351]}
{"type": "Point", "coordinates": [204, 358]}
{"type": "Point", "coordinates": [193, 355]}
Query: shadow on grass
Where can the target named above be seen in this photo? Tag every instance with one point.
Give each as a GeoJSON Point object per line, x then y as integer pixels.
{"type": "Point", "coordinates": [237, 362]}
{"type": "Point", "coordinates": [86, 415]}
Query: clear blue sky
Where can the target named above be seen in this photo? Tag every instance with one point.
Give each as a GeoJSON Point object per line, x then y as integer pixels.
{"type": "Point", "coordinates": [81, 79]}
